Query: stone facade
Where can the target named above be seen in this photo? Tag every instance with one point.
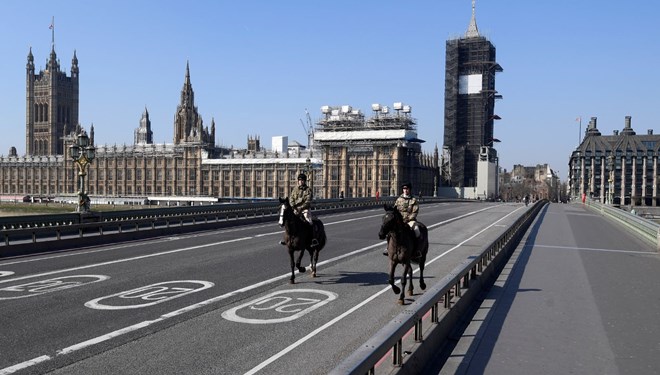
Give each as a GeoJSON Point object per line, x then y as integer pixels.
{"type": "Point", "coordinates": [617, 169]}
{"type": "Point", "coordinates": [362, 163]}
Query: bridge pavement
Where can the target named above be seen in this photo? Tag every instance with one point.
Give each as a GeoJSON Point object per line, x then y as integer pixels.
{"type": "Point", "coordinates": [579, 296]}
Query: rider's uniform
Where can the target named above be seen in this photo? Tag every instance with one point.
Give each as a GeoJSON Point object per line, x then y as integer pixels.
{"type": "Point", "coordinates": [408, 207]}
{"type": "Point", "coordinates": [301, 201]}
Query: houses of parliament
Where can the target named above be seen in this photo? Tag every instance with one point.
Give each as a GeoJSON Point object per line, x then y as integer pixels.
{"type": "Point", "coordinates": [348, 155]}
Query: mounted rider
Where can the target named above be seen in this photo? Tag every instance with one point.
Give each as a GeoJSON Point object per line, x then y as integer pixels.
{"type": "Point", "coordinates": [300, 200]}
{"type": "Point", "coordinates": [408, 207]}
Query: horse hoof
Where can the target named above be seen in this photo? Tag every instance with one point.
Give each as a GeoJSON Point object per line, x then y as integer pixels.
{"type": "Point", "coordinates": [400, 302]}
{"type": "Point", "coordinates": [301, 269]}
{"type": "Point", "coordinates": [313, 274]}
{"type": "Point", "coordinates": [292, 281]}
{"type": "Point", "coordinates": [422, 285]}
{"type": "Point", "coordinates": [411, 293]}
{"type": "Point", "coordinates": [396, 289]}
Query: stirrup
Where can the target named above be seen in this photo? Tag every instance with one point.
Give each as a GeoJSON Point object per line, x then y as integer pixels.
{"type": "Point", "coordinates": [315, 242]}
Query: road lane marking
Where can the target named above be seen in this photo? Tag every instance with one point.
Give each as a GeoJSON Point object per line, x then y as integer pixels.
{"type": "Point", "coordinates": [126, 259]}
{"type": "Point", "coordinates": [153, 294]}
{"type": "Point", "coordinates": [189, 308]}
{"type": "Point", "coordinates": [40, 287]}
{"type": "Point", "coordinates": [24, 365]}
{"type": "Point", "coordinates": [6, 273]}
{"type": "Point", "coordinates": [358, 306]}
{"type": "Point", "coordinates": [278, 307]}
{"type": "Point", "coordinates": [593, 249]}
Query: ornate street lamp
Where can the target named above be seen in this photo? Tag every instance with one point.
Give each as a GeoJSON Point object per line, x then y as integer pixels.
{"type": "Point", "coordinates": [82, 154]}
{"type": "Point", "coordinates": [310, 176]}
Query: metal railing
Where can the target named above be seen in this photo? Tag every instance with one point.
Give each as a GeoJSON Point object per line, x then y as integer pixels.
{"type": "Point", "coordinates": [36, 233]}
{"type": "Point", "coordinates": [642, 228]}
{"type": "Point", "coordinates": [444, 304]}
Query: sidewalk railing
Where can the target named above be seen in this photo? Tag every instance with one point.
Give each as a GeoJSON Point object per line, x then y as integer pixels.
{"type": "Point", "coordinates": [443, 304]}
{"type": "Point", "coordinates": [643, 228]}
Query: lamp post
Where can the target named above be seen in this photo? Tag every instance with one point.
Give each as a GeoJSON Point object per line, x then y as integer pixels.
{"type": "Point", "coordinates": [610, 190]}
{"type": "Point", "coordinates": [82, 154]}
{"type": "Point", "coordinates": [308, 167]}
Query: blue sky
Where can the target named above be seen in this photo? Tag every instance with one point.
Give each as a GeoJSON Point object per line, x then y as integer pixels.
{"type": "Point", "coordinates": [256, 66]}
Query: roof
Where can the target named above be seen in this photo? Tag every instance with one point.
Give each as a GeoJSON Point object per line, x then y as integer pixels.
{"type": "Point", "coordinates": [362, 135]}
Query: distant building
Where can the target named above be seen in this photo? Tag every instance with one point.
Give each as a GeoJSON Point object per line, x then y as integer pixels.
{"type": "Point", "coordinates": [362, 156]}
{"type": "Point", "coordinates": [359, 160]}
{"type": "Point", "coordinates": [536, 182]}
{"type": "Point", "coordinates": [621, 168]}
{"type": "Point", "coordinates": [52, 105]}
{"type": "Point", "coordinates": [469, 112]}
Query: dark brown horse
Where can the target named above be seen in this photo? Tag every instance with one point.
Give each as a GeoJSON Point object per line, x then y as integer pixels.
{"type": "Point", "coordinates": [403, 247]}
{"type": "Point", "coordinates": [298, 237]}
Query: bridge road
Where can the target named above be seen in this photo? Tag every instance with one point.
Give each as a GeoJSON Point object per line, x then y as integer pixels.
{"type": "Point", "coordinates": [243, 316]}
{"type": "Point", "coordinates": [579, 296]}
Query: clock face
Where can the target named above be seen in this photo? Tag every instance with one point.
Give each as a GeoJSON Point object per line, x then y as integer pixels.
{"type": "Point", "coordinates": [469, 84]}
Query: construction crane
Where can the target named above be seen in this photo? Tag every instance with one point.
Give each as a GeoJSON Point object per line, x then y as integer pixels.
{"type": "Point", "coordinates": [308, 127]}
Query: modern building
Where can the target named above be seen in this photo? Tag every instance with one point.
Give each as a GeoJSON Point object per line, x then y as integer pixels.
{"type": "Point", "coordinates": [621, 168]}
{"type": "Point", "coordinates": [369, 156]}
{"type": "Point", "coordinates": [470, 112]}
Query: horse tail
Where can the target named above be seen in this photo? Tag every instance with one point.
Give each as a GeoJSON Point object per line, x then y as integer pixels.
{"type": "Point", "coordinates": [320, 233]}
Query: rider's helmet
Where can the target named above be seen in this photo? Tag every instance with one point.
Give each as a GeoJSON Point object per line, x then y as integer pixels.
{"type": "Point", "coordinates": [302, 176]}
{"type": "Point", "coordinates": [407, 185]}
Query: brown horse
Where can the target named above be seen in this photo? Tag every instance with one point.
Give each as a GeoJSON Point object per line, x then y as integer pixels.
{"type": "Point", "coordinates": [298, 236]}
{"type": "Point", "coordinates": [403, 247]}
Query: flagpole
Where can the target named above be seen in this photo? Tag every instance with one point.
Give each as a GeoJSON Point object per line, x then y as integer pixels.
{"type": "Point", "coordinates": [52, 29]}
{"type": "Point", "coordinates": [580, 131]}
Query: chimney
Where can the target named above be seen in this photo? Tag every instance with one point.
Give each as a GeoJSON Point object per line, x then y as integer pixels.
{"type": "Point", "coordinates": [649, 132]}
{"type": "Point", "coordinates": [616, 132]}
{"type": "Point", "coordinates": [628, 118]}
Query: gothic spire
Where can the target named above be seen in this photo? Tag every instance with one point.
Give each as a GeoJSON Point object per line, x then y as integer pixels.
{"type": "Point", "coordinates": [187, 73]}
{"type": "Point", "coordinates": [472, 31]}
{"type": "Point", "coordinates": [30, 63]}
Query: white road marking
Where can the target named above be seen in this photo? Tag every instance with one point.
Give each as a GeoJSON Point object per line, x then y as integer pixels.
{"type": "Point", "coordinates": [23, 365]}
{"type": "Point", "coordinates": [148, 295]}
{"type": "Point", "coordinates": [5, 273]}
{"type": "Point", "coordinates": [356, 307]}
{"type": "Point", "coordinates": [135, 327]}
{"type": "Point", "coordinates": [592, 249]}
{"type": "Point", "coordinates": [278, 303]}
{"type": "Point", "coordinates": [40, 287]}
{"type": "Point", "coordinates": [126, 259]}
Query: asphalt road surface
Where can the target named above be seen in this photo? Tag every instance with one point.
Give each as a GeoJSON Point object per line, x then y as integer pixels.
{"type": "Point", "coordinates": [220, 302]}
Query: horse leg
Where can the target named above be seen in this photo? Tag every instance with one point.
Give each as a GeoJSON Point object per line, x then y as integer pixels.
{"type": "Point", "coordinates": [300, 269]}
{"type": "Point", "coordinates": [402, 293]}
{"type": "Point", "coordinates": [390, 281]}
{"type": "Point", "coordinates": [315, 259]}
{"type": "Point", "coordinates": [422, 284]}
{"type": "Point", "coordinates": [410, 278]}
{"type": "Point", "coordinates": [292, 280]}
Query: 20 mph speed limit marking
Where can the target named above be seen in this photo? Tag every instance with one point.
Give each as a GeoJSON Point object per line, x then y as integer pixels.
{"type": "Point", "coordinates": [279, 307]}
